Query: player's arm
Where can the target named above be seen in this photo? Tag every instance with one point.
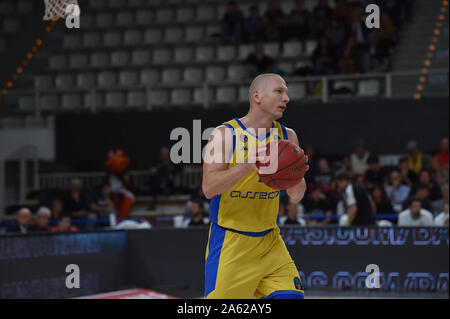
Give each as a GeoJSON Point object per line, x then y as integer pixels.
{"type": "Point", "coordinates": [352, 210]}
{"type": "Point", "coordinates": [297, 192]}
{"type": "Point", "coordinates": [217, 179]}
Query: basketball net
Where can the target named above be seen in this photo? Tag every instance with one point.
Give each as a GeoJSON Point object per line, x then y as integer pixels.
{"type": "Point", "coordinates": [56, 9]}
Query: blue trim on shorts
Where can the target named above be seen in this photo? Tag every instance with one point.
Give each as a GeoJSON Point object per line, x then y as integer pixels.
{"type": "Point", "coordinates": [214, 205]}
{"type": "Point", "coordinates": [251, 234]}
{"type": "Point", "coordinates": [216, 239]}
{"type": "Point", "coordinates": [285, 294]}
{"type": "Point", "coordinates": [283, 129]}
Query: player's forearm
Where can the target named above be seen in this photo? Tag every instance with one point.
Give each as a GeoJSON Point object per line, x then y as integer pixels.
{"type": "Point", "coordinates": [220, 181]}
{"type": "Point", "coordinates": [297, 192]}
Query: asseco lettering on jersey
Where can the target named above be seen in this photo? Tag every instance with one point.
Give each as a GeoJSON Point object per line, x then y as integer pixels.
{"type": "Point", "coordinates": [254, 195]}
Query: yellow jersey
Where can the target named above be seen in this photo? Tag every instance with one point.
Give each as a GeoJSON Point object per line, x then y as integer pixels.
{"type": "Point", "coordinates": [250, 205]}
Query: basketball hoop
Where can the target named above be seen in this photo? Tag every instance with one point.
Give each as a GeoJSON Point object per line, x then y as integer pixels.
{"type": "Point", "coordinates": [56, 9]}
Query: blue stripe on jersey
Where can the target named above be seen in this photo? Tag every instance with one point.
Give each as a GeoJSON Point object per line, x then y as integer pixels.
{"type": "Point", "coordinates": [283, 129]}
{"type": "Point", "coordinates": [216, 239]}
{"type": "Point", "coordinates": [245, 129]}
{"type": "Point", "coordinates": [214, 208]}
{"type": "Point", "coordinates": [234, 139]}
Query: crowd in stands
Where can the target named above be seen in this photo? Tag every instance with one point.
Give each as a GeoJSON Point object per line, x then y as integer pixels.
{"type": "Point", "coordinates": [344, 44]}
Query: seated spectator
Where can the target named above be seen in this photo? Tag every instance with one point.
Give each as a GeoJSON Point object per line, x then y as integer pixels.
{"type": "Point", "coordinates": [439, 205]}
{"type": "Point", "coordinates": [322, 14]}
{"type": "Point", "coordinates": [348, 62]}
{"type": "Point", "coordinates": [102, 203]}
{"type": "Point", "coordinates": [75, 203]}
{"type": "Point", "coordinates": [382, 204]}
{"type": "Point", "coordinates": [324, 176]}
{"type": "Point", "coordinates": [197, 212]}
{"type": "Point", "coordinates": [359, 158]}
{"type": "Point", "coordinates": [316, 204]}
{"type": "Point", "coordinates": [437, 172]}
{"type": "Point", "coordinates": [41, 223]}
{"type": "Point", "coordinates": [299, 22]}
{"type": "Point", "coordinates": [396, 191]}
{"type": "Point", "coordinates": [442, 218]}
{"type": "Point", "coordinates": [342, 12]}
{"type": "Point", "coordinates": [386, 32]}
{"type": "Point", "coordinates": [323, 58]}
{"type": "Point", "coordinates": [433, 187]}
{"type": "Point", "coordinates": [254, 26]}
{"type": "Point", "coordinates": [57, 208]}
{"type": "Point", "coordinates": [258, 61]}
{"type": "Point", "coordinates": [417, 159]}
{"type": "Point", "coordinates": [344, 165]}
{"type": "Point", "coordinates": [422, 192]}
{"type": "Point", "coordinates": [442, 154]}
{"type": "Point", "coordinates": [22, 223]}
{"type": "Point", "coordinates": [374, 174]}
{"type": "Point", "coordinates": [408, 176]}
{"type": "Point", "coordinates": [415, 215]}
{"type": "Point", "coordinates": [374, 56]}
{"type": "Point", "coordinates": [336, 35]}
{"type": "Point", "coordinates": [291, 217]}
{"type": "Point", "coordinates": [356, 202]}
{"type": "Point", "coordinates": [232, 23]}
{"type": "Point", "coordinates": [273, 21]}
{"type": "Point", "coordinates": [357, 28]}
{"type": "Point", "coordinates": [64, 225]}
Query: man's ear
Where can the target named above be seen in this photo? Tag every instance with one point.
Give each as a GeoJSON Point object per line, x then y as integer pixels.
{"type": "Point", "coordinates": [257, 96]}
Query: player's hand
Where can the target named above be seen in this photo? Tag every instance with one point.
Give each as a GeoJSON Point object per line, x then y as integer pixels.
{"type": "Point", "coordinates": [255, 157]}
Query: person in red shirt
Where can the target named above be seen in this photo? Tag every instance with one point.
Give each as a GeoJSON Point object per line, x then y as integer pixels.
{"type": "Point", "coordinates": [442, 155]}
{"type": "Point", "coordinates": [64, 225]}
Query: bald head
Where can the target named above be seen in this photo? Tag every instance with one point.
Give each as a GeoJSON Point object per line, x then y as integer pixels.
{"type": "Point", "coordinates": [23, 216]}
{"type": "Point", "coordinates": [260, 83]}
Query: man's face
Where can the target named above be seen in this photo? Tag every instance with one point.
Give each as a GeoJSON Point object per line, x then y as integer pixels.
{"type": "Point", "coordinates": [196, 209]}
{"type": "Point", "coordinates": [373, 166]}
{"type": "Point", "coordinates": [415, 208]}
{"type": "Point", "coordinates": [342, 184]}
{"type": "Point", "coordinates": [444, 145]}
{"type": "Point", "coordinates": [315, 195]}
{"type": "Point", "coordinates": [274, 96]}
{"type": "Point", "coordinates": [323, 166]}
{"type": "Point", "coordinates": [24, 217]}
{"type": "Point", "coordinates": [106, 190]}
{"type": "Point", "coordinates": [64, 224]}
{"type": "Point", "coordinates": [42, 221]}
{"type": "Point", "coordinates": [395, 178]}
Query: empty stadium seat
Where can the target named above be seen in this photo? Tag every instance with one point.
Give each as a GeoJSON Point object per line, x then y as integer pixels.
{"type": "Point", "coordinates": [71, 40]}
{"type": "Point", "coordinates": [149, 77]}
{"type": "Point", "coordinates": [173, 35]}
{"type": "Point", "coordinates": [58, 62]}
{"type": "Point", "coordinates": [124, 19]}
{"type": "Point", "coordinates": [64, 81]}
{"type": "Point", "coordinates": [99, 59]}
{"type": "Point", "coordinates": [199, 95]}
{"type": "Point", "coordinates": [368, 88]}
{"type": "Point", "coordinates": [120, 58]}
{"type": "Point", "coordinates": [183, 55]}
{"type": "Point", "coordinates": [271, 49]}
{"type": "Point", "coordinates": [87, 80]}
{"type": "Point", "coordinates": [144, 17]}
{"type": "Point", "coordinates": [159, 97]}
{"type": "Point", "coordinates": [243, 93]}
{"type": "Point", "coordinates": [140, 57]}
{"type": "Point", "coordinates": [6, 8]}
{"type": "Point", "coordinates": [152, 36]}
{"type": "Point", "coordinates": [213, 30]}
{"type": "Point", "coordinates": [26, 103]}
{"type": "Point", "coordinates": [297, 91]}
{"type": "Point", "coordinates": [204, 54]}
{"type": "Point", "coordinates": [170, 76]}
{"type": "Point", "coordinates": [87, 20]}
{"type": "Point", "coordinates": [180, 96]}
{"type": "Point", "coordinates": [162, 56]}
{"type": "Point", "coordinates": [93, 100]}
{"type": "Point", "coordinates": [128, 77]}
{"type": "Point", "coordinates": [114, 99]}
{"type": "Point", "coordinates": [136, 3]}
{"type": "Point", "coordinates": [33, 122]}
{"type": "Point", "coordinates": [237, 72]}
{"type": "Point", "coordinates": [215, 73]}
{"type": "Point", "coordinates": [49, 101]}
{"type": "Point", "coordinates": [78, 60]}
{"type": "Point", "coordinates": [112, 38]}
{"type": "Point", "coordinates": [292, 49]}
{"type": "Point", "coordinates": [117, 3]}
{"type": "Point", "coordinates": [185, 14]}
{"type": "Point", "coordinates": [226, 53]}
{"type": "Point", "coordinates": [225, 94]}
{"type": "Point", "coordinates": [193, 75]}
{"type": "Point", "coordinates": [71, 101]}
{"type": "Point", "coordinates": [245, 50]}
{"type": "Point", "coordinates": [106, 78]}
{"type": "Point", "coordinates": [286, 67]}
{"type": "Point", "coordinates": [205, 13]}
{"type": "Point", "coordinates": [194, 33]}
{"type": "Point", "coordinates": [310, 47]}
{"type": "Point", "coordinates": [43, 82]}
{"type": "Point", "coordinates": [136, 98]}
{"type": "Point", "coordinates": [104, 19]}
{"type": "Point", "coordinates": [131, 37]}
{"type": "Point", "coordinates": [91, 39]}
{"type": "Point", "coordinates": [164, 16]}
{"type": "Point", "coordinates": [11, 25]}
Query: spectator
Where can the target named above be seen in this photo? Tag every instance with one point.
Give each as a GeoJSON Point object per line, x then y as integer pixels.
{"type": "Point", "coordinates": [57, 208]}
{"type": "Point", "coordinates": [322, 14]}
{"type": "Point", "coordinates": [64, 225]}
{"type": "Point", "coordinates": [323, 58]}
{"type": "Point", "coordinates": [433, 187]}
{"type": "Point", "coordinates": [22, 223]}
{"type": "Point", "coordinates": [357, 28]}
{"type": "Point", "coordinates": [75, 203]}
{"type": "Point", "coordinates": [258, 61]}
{"type": "Point", "coordinates": [423, 193]}
{"type": "Point", "coordinates": [197, 212]}
{"type": "Point", "coordinates": [273, 21]}
{"type": "Point", "coordinates": [442, 218]}
{"type": "Point", "coordinates": [300, 22]}
{"type": "Point", "coordinates": [342, 12]}
{"type": "Point", "coordinates": [439, 205]}
{"type": "Point", "coordinates": [324, 176]}
{"type": "Point", "coordinates": [374, 56]}
{"type": "Point", "coordinates": [42, 220]}
{"type": "Point", "coordinates": [291, 217]}
{"type": "Point", "coordinates": [359, 158]}
{"type": "Point", "coordinates": [382, 204]}
{"type": "Point", "coordinates": [317, 205]}
{"type": "Point", "coordinates": [344, 165]}
{"type": "Point", "coordinates": [374, 174]}
{"type": "Point", "coordinates": [336, 35]}
{"type": "Point", "coordinates": [162, 177]}
{"type": "Point", "coordinates": [386, 32]}
{"type": "Point", "coordinates": [254, 26]}
{"type": "Point", "coordinates": [408, 177]}
{"type": "Point", "coordinates": [442, 156]}
{"type": "Point", "coordinates": [348, 62]}
{"type": "Point", "coordinates": [232, 23]}
{"type": "Point", "coordinates": [396, 191]}
{"type": "Point", "coordinates": [415, 215]}
{"type": "Point", "coordinates": [102, 204]}
{"type": "Point", "coordinates": [418, 160]}
{"type": "Point", "coordinates": [437, 172]}
{"type": "Point", "coordinates": [356, 201]}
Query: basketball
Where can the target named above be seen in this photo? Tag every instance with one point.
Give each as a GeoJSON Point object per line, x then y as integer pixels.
{"type": "Point", "coordinates": [292, 166]}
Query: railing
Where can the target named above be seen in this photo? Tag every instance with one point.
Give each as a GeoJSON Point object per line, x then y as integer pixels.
{"type": "Point", "coordinates": [324, 92]}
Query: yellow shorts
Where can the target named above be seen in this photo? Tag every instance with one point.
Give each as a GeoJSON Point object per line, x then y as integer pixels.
{"type": "Point", "coordinates": [242, 265]}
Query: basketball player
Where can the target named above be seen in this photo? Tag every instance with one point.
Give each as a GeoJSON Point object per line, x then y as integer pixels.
{"type": "Point", "coordinates": [246, 256]}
